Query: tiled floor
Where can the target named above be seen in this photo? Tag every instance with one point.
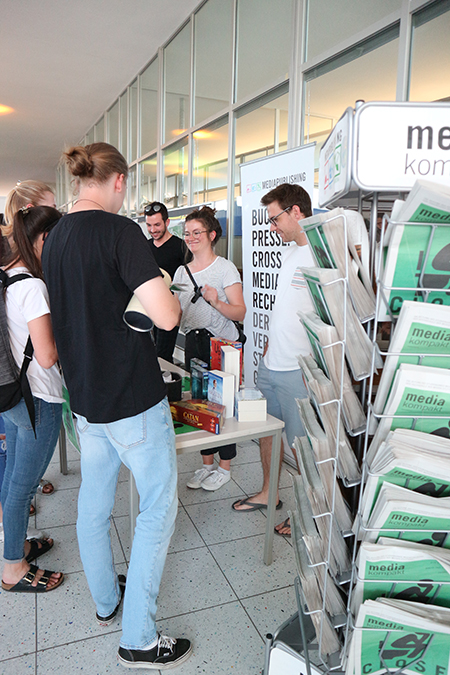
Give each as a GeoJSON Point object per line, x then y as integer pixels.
{"type": "Point", "coordinates": [215, 590]}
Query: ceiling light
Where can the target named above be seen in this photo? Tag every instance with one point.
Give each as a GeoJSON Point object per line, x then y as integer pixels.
{"type": "Point", "coordinates": [5, 109]}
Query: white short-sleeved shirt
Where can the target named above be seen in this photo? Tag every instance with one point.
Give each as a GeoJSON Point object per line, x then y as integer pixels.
{"type": "Point", "coordinates": [220, 274]}
{"type": "Point", "coordinates": [27, 300]}
{"type": "Point", "coordinates": [287, 337]}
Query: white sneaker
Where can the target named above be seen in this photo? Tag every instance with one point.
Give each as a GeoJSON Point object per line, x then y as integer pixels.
{"type": "Point", "coordinates": [197, 479]}
{"type": "Point", "coordinates": [215, 480]}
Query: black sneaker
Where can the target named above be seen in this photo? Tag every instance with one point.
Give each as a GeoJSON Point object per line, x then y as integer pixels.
{"type": "Point", "coordinates": [168, 653]}
{"type": "Point", "coordinates": [107, 620]}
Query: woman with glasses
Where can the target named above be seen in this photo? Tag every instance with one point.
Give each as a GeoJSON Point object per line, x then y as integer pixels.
{"type": "Point", "coordinates": [209, 310]}
{"type": "Point", "coordinates": [30, 447]}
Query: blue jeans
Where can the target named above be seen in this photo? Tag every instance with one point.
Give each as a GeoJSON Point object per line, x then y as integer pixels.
{"type": "Point", "coordinates": [281, 388]}
{"type": "Point", "coordinates": [145, 443]}
{"type": "Point", "coordinates": [26, 461]}
{"type": "Point", "coordinates": [2, 453]}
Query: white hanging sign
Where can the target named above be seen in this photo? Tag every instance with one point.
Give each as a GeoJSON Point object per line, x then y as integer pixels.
{"type": "Point", "coordinates": [261, 249]}
{"type": "Point", "coordinates": [397, 143]}
{"type": "Point", "coordinates": [335, 161]}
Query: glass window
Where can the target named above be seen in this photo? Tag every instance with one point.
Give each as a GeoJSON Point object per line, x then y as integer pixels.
{"type": "Point", "coordinates": [123, 140]}
{"type": "Point", "coordinates": [176, 174]}
{"type": "Point", "coordinates": [133, 120]}
{"type": "Point", "coordinates": [90, 136]}
{"type": "Point", "coordinates": [430, 54]}
{"type": "Point", "coordinates": [210, 162]}
{"type": "Point", "coordinates": [132, 191]}
{"type": "Point", "coordinates": [329, 23]}
{"type": "Point", "coordinates": [263, 43]}
{"type": "Point", "coordinates": [113, 125]}
{"type": "Point", "coordinates": [148, 180]}
{"type": "Point", "coordinates": [100, 130]}
{"type": "Point", "coordinates": [177, 79]}
{"type": "Point", "coordinates": [148, 83]}
{"type": "Point", "coordinates": [213, 38]}
{"type": "Point", "coordinates": [330, 89]}
{"type": "Point", "coordinates": [260, 131]}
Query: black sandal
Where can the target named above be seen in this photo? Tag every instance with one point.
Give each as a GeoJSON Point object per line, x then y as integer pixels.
{"type": "Point", "coordinates": [36, 550]}
{"type": "Point", "coordinates": [24, 585]}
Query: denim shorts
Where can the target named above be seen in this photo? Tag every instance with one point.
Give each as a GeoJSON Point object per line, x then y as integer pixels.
{"type": "Point", "coordinates": [281, 388]}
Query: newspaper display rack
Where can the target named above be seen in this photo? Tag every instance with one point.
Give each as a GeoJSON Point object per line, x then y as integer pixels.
{"type": "Point", "coordinates": [390, 647]}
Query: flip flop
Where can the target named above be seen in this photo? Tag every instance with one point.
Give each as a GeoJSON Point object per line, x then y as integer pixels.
{"type": "Point", "coordinates": [254, 506]}
{"type": "Point", "coordinates": [45, 487]}
{"type": "Point", "coordinates": [36, 551]}
{"type": "Point", "coordinates": [32, 510]}
{"type": "Point", "coordinates": [24, 585]}
{"type": "Point", "coordinates": [285, 523]}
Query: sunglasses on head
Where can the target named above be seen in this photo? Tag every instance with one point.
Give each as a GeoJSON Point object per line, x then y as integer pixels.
{"type": "Point", "coordinates": [150, 209]}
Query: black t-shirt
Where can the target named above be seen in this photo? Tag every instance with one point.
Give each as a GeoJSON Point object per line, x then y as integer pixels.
{"type": "Point", "coordinates": [92, 262]}
{"type": "Point", "coordinates": [171, 255]}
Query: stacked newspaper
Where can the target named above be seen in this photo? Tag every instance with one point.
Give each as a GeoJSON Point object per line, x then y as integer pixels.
{"type": "Point", "coordinates": [399, 637]}
{"type": "Point", "coordinates": [319, 590]}
{"type": "Point", "coordinates": [417, 257]}
{"type": "Point", "coordinates": [419, 399]}
{"type": "Point", "coordinates": [326, 445]}
{"type": "Point", "coordinates": [411, 459]}
{"type": "Point", "coordinates": [422, 330]}
{"type": "Point", "coordinates": [321, 390]}
{"type": "Point", "coordinates": [332, 542]}
{"type": "Point", "coordinates": [328, 293]}
{"type": "Point", "coordinates": [399, 513]}
{"type": "Point", "coordinates": [322, 481]}
{"type": "Point", "coordinates": [335, 239]}
{"type": "Point", "coordinates": [328, 353]}
{"type": "Point", "coordinates": [402, 570]}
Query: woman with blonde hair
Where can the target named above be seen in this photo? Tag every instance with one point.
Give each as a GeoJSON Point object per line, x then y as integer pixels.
{"type": "Point", "coordinates": [25, 194]}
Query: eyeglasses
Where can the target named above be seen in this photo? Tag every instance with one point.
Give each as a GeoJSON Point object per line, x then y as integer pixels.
{"type": "Point", "coordinates": [274, 219]}
{"type": "Point", "coordinates": [194, 235]}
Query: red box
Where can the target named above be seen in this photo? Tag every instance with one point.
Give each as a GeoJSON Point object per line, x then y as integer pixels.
{"type": "Point", "coordinates": [203, 415]}
{"type": "Point", "coordinates": [216, 356]}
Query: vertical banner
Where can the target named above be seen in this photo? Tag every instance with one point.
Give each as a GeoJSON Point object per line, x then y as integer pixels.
{"type": "Point", "coordinates": [261, 249]}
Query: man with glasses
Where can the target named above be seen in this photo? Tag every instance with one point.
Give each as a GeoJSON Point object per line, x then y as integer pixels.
{"type": "Point", "coordinates": [170, 252]}
{"type": "Point", "coordinates": [279, 376]}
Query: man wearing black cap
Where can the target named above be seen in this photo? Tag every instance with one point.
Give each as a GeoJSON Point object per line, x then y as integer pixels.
{"type": "Point", "coordinates": [170, 252]}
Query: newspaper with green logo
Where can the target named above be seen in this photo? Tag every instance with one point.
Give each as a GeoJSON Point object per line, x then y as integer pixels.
{"type": "Point", "coordinates": [411, 459]}
{"type": "Point", "coordinates": [402, 570]}
{"type": "Point", "coordinates": [328, 292]}
{"type": "Point", "coordinates": [419, 399]}
{"type": "Point", "coordinates": [404, 514]}
{"type": "Point", "coordinates": [422, 330]}
{"type": "Point", "coordinates": [398, 637]}
{"type": "Point", "coordinates": [68, 421]}
{"type": "Point", "coordinates": [417, 256]}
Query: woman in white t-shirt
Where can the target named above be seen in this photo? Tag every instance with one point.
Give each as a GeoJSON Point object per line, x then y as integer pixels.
{"type": "Point", "coordinates": [29, 451]}
{"type": "Point", "coordinates": [211, 310]}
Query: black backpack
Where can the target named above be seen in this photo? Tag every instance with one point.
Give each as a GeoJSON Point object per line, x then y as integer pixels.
{"type": "Point", "coordinates": [13, 383]}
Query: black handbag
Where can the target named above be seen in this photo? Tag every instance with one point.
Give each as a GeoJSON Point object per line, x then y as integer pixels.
{"type": "Point", "coordinates": [198, 294]}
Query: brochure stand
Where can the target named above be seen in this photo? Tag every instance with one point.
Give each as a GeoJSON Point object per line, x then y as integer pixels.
{"type": "Point", "coordinates": [298, 638]}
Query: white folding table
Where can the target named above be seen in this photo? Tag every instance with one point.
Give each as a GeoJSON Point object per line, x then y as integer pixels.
{"type": "Point", "coordinates": [232, 432]}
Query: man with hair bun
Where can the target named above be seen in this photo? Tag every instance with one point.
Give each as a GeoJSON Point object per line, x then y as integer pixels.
{"type": "Point", "coordinates": [93, 263]}
{"type": "Point", "coordinates": [279, 376]}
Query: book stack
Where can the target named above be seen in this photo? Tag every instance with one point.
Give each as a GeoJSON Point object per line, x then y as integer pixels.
{"type": "Point", "coordinates": [250, 406]}
{"type": "Point", "coordinates": [221, 390]}
{"type": "Point", "coordinates": [216, 344]}
{"type": "Point", "coordinates": [199, 379]}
